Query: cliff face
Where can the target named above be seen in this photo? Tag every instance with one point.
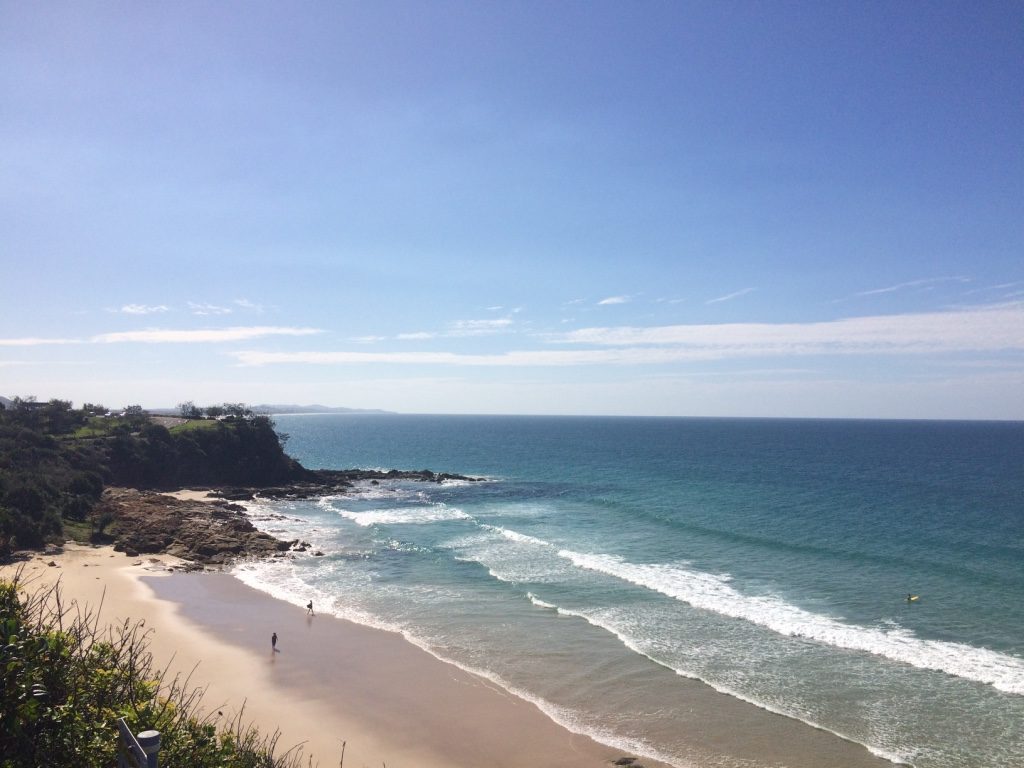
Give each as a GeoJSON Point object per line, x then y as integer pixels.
{"type": "Point", "coordinates": [236, 452]}
{"type": "Point", "coordinates": [99, 472]}
{"type": "Point", "coordinates": [144, 522]}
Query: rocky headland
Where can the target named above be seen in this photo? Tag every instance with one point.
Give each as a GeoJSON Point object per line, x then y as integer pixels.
{"type": "Point", "coordinates": [327, 482]}
{"type": "Point", "coordinates": [217, 531]}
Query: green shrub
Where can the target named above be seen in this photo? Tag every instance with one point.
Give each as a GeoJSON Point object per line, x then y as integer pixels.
{"type": "Point", "coordinates": [64, 683]}
{"type": "Point", "coordinates": [53, 467]}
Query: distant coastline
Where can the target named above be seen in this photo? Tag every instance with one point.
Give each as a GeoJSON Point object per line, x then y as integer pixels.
{"type": "Point", "coordinates": [289, 409]}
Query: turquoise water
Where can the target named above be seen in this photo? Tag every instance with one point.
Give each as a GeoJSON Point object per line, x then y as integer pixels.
{"type": "Point", "coordinates": [769, 559]}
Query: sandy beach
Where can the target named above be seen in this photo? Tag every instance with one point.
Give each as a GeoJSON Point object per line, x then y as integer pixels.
{"type": "Point", "coordinates": [329, 681]}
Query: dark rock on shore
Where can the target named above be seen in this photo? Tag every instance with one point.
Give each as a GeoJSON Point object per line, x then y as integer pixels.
{"type": "Point", "coordinates": [214, 533]}
{"type": "Point", "coordinates": [326, 482]}
{"type": "Point", "coordinates": [219, 532]}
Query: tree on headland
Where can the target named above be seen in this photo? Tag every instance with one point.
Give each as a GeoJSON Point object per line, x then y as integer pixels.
{"type": "Point", "coordinates": [46, 476]}
{"type": "Point", "coordinates": [189, 410]}
{"type": "Point", "coordinates": [55, 461]}
{"type": "Point", "coordinates": [60, 418]}
{"type": "Point", "coordinates": [238, 411]}
{"type": "Point", "coordinates": [136, 415]}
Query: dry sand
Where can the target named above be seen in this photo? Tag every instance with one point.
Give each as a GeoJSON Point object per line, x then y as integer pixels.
{"type": "Point", "coordinates": [330, 681]}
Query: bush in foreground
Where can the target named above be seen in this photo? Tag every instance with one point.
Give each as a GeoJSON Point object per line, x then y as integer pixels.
{"type": "Point", "coordinates": [65, 681]}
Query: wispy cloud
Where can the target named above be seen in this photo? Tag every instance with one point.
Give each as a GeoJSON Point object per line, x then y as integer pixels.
{"type": "Point", "coordinates": [462, 329]}
{"type": "Point", "coordinates": [208, 309]}
{"type": "Point", "coordinates": [927, 283]}
{"type": "Point", "coordinates": [1009, 290]}
{"type": "Point", "coordinates": [479, 327]}
{"type": "Point", "coordinates": [249, 305]}
{"type": "Point", "coordinates": [979, 330]}
{"type": "Point", "coordinates": [32, 341]}
{"type": "Point", "coordinates": [730, 296]}
{"type": "Point", "coordinates": [142, 309]}
{"type": "Point", "coordinates": [614, 300]}
{"type": "Point", "coordinates": [211, 335]}
{"type": "Point", "coordinates": [544, 357]}
{"type": "Point", "coordinates": [416, 336]}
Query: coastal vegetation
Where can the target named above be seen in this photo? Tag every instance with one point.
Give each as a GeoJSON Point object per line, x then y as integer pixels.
{"type": "Point", "coordinates": [89, 474]}
{"type": "Point", "coordinates": [56, 460]}
{"type": "Point", "coordinates": [65, 681]}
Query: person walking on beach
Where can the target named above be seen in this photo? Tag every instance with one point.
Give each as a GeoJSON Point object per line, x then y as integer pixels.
{"type": "Point", "coordinates": [273, 642]}
{"type": "Point", "coordinates": [309, 609]}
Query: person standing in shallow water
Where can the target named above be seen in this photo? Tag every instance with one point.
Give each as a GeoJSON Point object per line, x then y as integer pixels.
{"type": "Point", "coordinates": [273, 642]}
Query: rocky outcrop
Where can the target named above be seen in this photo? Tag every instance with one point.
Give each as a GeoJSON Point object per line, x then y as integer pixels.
{"type": "Point", "coordinates": [327, 482]}
{"type": "Point", "coordinates": [218, 532]}
{"type": "Point", "coordinates": [214, 533]}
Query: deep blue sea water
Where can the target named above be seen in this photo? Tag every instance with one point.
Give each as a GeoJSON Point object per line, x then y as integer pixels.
{"type": "Point", "coordinates": [770, 559]}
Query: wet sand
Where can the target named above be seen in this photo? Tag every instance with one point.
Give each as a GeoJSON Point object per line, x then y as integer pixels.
{"type": "Point", "coordinates": [332, 681]}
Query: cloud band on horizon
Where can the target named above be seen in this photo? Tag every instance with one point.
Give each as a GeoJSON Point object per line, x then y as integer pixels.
{"type": "Point", "coordinates": [209, 335]}
{"type": "Point", "coordinates": [987, 329]}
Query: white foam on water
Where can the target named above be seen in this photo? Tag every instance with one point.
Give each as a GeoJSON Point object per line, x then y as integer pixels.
{"type": "Point", "coordinates": [519, 538]}
{"type": "Point", "coordinates": [365, 490]}
{"type": "Point", "coordinates": [418, 515]}
{"type": "Point", "coordinates": [540, 603]}
{"type": "Point", "coordinates": [283, 581]}
{"type": "Point", "coordinates": [712, 592]}
{"type": "Point", "coordinates": [327, 502]}
{"type": "Point", "coordinates": [510, 556]}
{"type": "Point", "coordinates": [281, 521]}
{"type": "Point", "coordinates": [453, 482]}
{"type": "Point", "coordinates": [284, 584]}
{"type": "Point", "coordinates": [602, 620]}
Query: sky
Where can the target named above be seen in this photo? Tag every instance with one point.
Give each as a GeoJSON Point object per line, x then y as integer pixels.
{"type": "Point", "coordinates": [784, 209]}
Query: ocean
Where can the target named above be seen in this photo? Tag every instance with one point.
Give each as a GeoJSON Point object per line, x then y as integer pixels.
{"type": "Point", "coordinates": [604, 564]}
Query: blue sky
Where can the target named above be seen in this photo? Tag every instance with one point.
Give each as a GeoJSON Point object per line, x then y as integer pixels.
{"type": "Point", "coordinates": [652, 208]}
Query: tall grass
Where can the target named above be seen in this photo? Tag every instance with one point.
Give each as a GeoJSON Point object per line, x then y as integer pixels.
{"type": "Point", "coordinates": [65, 679]}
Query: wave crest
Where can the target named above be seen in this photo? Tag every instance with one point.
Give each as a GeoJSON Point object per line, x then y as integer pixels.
{"type": "Point", "coordinates": [434, 513]}
{"type": "Point", "coordinates": [712, 592]}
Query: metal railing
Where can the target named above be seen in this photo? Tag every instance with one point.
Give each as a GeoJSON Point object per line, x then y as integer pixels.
{"type": "Point", "coordinates": [142, 751]}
